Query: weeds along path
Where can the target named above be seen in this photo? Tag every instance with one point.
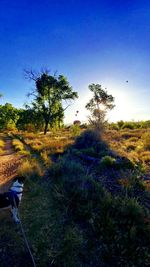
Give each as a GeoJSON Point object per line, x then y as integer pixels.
{"type": "Point", "coordinates": [9, 163]}
{"type": "Point", "coordinates": [33, 152]}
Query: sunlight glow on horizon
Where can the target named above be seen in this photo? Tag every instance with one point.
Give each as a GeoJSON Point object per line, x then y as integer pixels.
{"type": "Point", "coordinates": [126, 108]}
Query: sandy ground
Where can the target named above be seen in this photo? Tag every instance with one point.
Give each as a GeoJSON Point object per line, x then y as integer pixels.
{"type": "Point", "coordinates": [9, 163]}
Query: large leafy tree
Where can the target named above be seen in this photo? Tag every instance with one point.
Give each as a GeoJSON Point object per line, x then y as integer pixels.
{"type": "Point", "coordinates": [49, 93]}
{"type": "Point", "coordinates": [98, 105]}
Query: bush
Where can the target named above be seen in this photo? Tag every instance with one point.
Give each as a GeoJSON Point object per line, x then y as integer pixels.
{"type": "Point", "coordinates": [113, 126]}
{"type": "Point", "coordinates": [30, 128]}
{"type": "Point", "coordinates": [10, 126]}
{"type": "Point", "coordinates": [91, 224]}
{"type": "Point", "coordinates": [128, 125]}
{"type": "Point", "coordinates": [120, 124]}
{"type": "Point", "coordinates": [90, 139]}
{"type": "Point", "coordinates": [107, 161]}
{"type": "Point", "coordinates": [75, 130]}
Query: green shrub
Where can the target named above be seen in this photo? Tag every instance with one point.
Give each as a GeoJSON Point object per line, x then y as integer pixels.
{"type": "Point", "coordinates": [66, 167]}
{"type": "Point", "coordinates": [124, 163]}
{"type": "Point", "coordinates": [10, 125]}
{"type": "Point", "coordinates": [91, 139]}
{"type": "Point", "coordinates": [118, 164]}
{"type": "Point", "coordinates": [75, 130]}
{"type": "Point", "coordinates": [145, 124]}
{"type": "Point", "coordinates": [107, 161]}
{"type": "Point", "coordinates": [128, 125]}
{"type": "Point", "coordinates": [89, 152]}
{"type": "Point", "coordinates": [120, 124]}
{"type": "Point", "coordinates": [92, 224]}
{"type": "Point", "coordinates": [113, 126]}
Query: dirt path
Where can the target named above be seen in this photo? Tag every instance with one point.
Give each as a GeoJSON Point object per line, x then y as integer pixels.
{"type": "Point", "coordinates": [9, 163]}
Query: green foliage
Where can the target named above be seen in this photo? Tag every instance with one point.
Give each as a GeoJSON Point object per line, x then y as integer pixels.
{"type": "Point", "coordinates": [10, 126]}
{"type": "Point", "coordinates": [145, 124]}
{"type": "Point", "coordinates": [107, 161]}
{"type": "Point", "coordinates": [128, 125]}
{"type": "Point", "coordinates": [8, 117]}
{"type": "Point", "coordinates": [30, 120]}
{"type": "Point", "coordinates": [75, 130]}
{"type": "Point", "coordinates": [113, 126]}
{"type": "Point", "coordinates": [97, 224]}
{"type": "Point", "coordinates": [90, 139]}
{"type": "Point", "coordinates": [77, 222]}
{"type": "Point", "coordinates": [89, 152]}
{"type": "Point", "coordinates": [120, 124]}
{"type": "Point", "coordinates": [98, 105]}
{"type": "Point", "coordinates": [49, 93]}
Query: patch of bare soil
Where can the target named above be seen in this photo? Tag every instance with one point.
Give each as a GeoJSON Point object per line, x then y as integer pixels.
{"type": "Point", "coordinates": [9, 163]}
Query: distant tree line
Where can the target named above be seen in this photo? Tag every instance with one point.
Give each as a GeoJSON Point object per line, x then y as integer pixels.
{"type": "Point", "coordinates": [129, 125]}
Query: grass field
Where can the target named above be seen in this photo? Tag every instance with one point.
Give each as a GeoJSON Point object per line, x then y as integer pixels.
{"type": "Point", "coordinates": [85, 202]}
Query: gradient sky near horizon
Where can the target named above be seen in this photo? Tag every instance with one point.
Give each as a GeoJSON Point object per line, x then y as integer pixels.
{"type": "Point", "coordinates": [105, 42]}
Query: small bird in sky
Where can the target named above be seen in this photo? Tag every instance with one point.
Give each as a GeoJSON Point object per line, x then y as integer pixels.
{"type": "Point", "coordinates": [126, 81]}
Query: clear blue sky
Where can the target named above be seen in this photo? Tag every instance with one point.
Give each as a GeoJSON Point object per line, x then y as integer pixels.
{"type": "Point", "coordinates": [106, 42]}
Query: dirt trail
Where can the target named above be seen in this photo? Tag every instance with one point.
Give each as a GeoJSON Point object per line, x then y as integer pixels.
{"type": "Point", "coordinates": [9, 163]}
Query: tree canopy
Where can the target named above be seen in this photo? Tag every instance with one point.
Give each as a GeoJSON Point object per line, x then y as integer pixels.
{"type": "Point", "coordinates": [8, 116]}
{"type": "Point", "coordinates": [98, 105]}
{"type": "Point", "coordinates": [49, 92]}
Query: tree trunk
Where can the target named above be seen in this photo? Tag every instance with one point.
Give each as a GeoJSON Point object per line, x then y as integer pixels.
{"type": "Point", "coordinates": [46, 127]}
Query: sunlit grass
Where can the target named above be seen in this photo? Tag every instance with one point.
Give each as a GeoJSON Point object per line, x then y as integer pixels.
{"type": "Point", "coordinates": [2, 145]}
{"type": "Point", "coordinates": [131, 144]}
{"type": "Point", "coordinates": [50, 143]}
{"type": "Point", "coordinates": [18, 145]}
{"type": "Point", "coordinates": [30, 168]}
